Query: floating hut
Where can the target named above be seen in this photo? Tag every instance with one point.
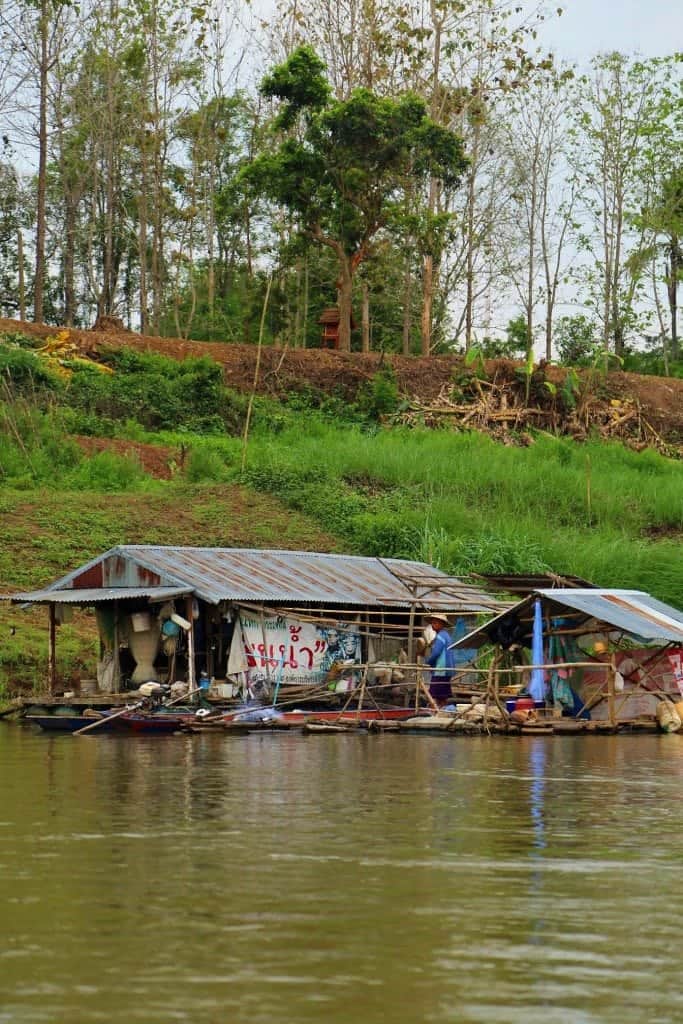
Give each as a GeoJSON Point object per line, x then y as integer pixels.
{"type": "Point", "coordinates": [612, 656]}
{"type": "Point", "coordinates": [247, 618]}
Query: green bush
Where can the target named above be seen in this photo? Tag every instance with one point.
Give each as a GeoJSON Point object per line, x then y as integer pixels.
{"type": "Point", "coordinates": [380, 396]}
{"type": "Point", "coordinates": [109, 473]}
{"type": "Point", "coordinates": [204, 464]}
{"type": "Point", "coordinates": [158, 393]}
{"type": "Point", "coordinates": [27, 375]}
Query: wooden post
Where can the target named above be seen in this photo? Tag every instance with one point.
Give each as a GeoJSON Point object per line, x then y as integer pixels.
{"type": "Point", "coordinates": [52, 652]}
{"type": "Point", "coordinates": [611, 677]}
{"type": "Point", "coordinates": [411, 633]}
{"type": "Point", "coordinates": [430, 700]}
{"type": "Point", "coordinates": [265, 648]}
{"type": "Point", "coordinates": [116, 681]}
{"type": "Point", "coordinates": [190, 644]}
{"type": "Point", "coordinates": [363, 681]}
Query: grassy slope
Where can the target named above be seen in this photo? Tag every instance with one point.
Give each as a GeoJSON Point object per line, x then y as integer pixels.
{"type": "Point", "coordinates": [47, 533]}
{"type": "Point", "coordinates": [466, 503]}
{"type": "Point", "coordinates": [459, 501]}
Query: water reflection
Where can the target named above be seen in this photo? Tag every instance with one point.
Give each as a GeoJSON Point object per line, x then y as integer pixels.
{"type": "Point", "coordinates": [287, 878]}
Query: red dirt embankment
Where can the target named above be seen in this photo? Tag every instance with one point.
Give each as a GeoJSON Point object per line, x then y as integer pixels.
{"type": "Point", "coordinates": [284, 370]}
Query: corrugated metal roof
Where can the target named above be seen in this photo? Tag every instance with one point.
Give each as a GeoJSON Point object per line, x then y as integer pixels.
{"type": "Point", "coordinates": [234, 574]}
{"type": "Point", "coordinates": [93, 595]}
{"type": "Point", "coordinates": [632, 611]}
{"type": "Point", "coordinates": [523, 584]}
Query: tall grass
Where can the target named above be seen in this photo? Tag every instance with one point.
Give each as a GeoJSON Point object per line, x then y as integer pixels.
{"type": "Point", "coordinates": [465, 503]}
{"type": "Point", "coordinates": [35, 451]}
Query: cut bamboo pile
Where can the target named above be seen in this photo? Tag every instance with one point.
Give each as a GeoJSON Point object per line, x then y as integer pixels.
{"type": "Point", "coordinates": [500, 409]}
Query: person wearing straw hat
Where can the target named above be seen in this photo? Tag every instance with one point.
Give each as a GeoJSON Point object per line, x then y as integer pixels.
{"type": "Point", "coordinates": [440, 659]}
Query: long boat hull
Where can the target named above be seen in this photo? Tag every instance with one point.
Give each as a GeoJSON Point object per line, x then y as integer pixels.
{"type": "Point", "coordinates": [166, 722]}
{"type": "Point", "coordinates": [300, 717]}
{"type": "Point", "coordinates": [163, 723]}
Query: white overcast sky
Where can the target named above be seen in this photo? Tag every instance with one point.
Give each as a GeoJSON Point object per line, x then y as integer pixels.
{"type": "Point", "coordinates": [652, 28]}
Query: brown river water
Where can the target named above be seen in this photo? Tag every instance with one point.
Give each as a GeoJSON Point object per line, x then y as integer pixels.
{"type": "Point", "coordinates": [340, 878]}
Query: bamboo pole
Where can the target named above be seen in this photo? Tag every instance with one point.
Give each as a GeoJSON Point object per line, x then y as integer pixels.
{"type": "Point", "coordinates": [107, 718]}
{"type": "Point", "coordinates": [362, 693]}
{"type": "Point", "coordinates": [52, 651]}
{"type": "Point", "coordinates": [266, 661]}
{"type": "Point", "coordinates": [432, 703]}
{"type": "Point", "coordinates": [116, 681]}
{"type": "Point", "coordinates": [191, 676]}
{"type": "Point", "coordinates": [611, 674]}
{"type": "Point", "coordinates": [489, 690]}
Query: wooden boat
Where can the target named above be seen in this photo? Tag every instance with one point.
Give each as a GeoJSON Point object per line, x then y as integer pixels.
{"type": "Point", "coordinates": [300, 716]}
{"type": "Point", "coordinates": [134, 721]}
{"type": "Point", "coordinates": [167, 720]}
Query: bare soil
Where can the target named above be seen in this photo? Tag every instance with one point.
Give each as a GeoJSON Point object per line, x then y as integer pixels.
{"type": "Point", "coordinates": [285, 370]}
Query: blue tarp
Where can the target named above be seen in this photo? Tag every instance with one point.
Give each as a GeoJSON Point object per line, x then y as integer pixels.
{"type": "Point", "coordinates": [537, 684]}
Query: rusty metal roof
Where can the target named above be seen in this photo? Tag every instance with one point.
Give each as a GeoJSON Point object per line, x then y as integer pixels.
{"type": "Point", "coordinates": [524, 584]}
{"type": "Point", "coordinates": [630, 611]}
{"type": "Point", "coordinates": [234, 574]}
{"type": "Point", "coordinates": [93, 595]}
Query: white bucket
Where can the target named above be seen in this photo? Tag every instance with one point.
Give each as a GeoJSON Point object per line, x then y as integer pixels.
{"type": "Point", "coordinates": [223, 690]}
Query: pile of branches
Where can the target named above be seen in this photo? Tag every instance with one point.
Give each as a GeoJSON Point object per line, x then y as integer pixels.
{"type": "Point", "coordinates": [501, 409]}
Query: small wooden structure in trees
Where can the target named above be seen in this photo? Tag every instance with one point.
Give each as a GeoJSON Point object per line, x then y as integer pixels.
{"type": "Point", "coordinates": [329, 318]}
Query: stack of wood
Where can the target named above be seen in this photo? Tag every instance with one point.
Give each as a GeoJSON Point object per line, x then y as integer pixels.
{"type": "Point", "coordinates": [500, 409]}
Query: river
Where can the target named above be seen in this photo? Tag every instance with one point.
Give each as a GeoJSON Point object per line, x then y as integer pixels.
{"type": "Point", "coordinates": [339, 879]}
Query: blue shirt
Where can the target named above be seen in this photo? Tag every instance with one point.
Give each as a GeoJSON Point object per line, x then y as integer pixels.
{"type": "Point", "coordinates": [441, 657]}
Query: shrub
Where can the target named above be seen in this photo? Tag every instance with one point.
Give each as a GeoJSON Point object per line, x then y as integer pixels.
{"type": "Point", "coordinates": [380, 396]}
{"type": "Point", "coordinates": [108, 472]}
{"type": "Point", "coordinates": [205, 464]}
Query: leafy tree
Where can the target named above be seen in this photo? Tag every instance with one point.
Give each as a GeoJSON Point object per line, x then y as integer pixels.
{"type": "Point", "coordinates": [575, 339]}
{"type": "Point", "coordinates": [622, 125]}
{"type": "Point", "coordinates": [342, 166]}
{"type": "Point", "coordinates": [664, 218]}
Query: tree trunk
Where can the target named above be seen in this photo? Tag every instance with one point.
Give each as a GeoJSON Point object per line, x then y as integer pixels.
{"type": "Point", "coordinates": [366, 317]}
{"type": "Point", "coordinates": [427, 298]}
{"type": "Point", "coordinates": [471, 245]}
{"type": "Point", "coordinates": [305, 314]}
{"type": "Point", "coordinates": [69, 261]}
{"type": "Point", "coordinates": [407, 297]}
{"type": "Point", "coordinates": [39, 280]}
{"type": "Point", "coordinates": [20, 267]}
{"type": "Point", "coordinates": [675, 266]}
{"type": "Point", "coordinates": [344, 295]}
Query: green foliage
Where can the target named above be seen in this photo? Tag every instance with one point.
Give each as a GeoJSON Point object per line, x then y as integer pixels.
{"type": "Point", "coordinates": [575, 340]}
{"type": "Point", "coordinates": [652, 362]}
{"type": "Point", "coordinates": [517, 335]}
{"type": "Point", "coordinates": [350, 159]}
{"type": "Point", "coordinates": [475, 361]}
{"type": "Point", "coordinates": [571, 388]}
{"type": "Point", "coordinates": [157, 392]}
{"type": "Point", "coordinates": [467, 504]}
{"type": "Point", "coordinates": [380, 397]}
{"type": "Point", "coordinates": [300, 83]}
{"type": "Point", "coordinates": [107, 472]}
{"type": "Point", "coordinates": [205, 465]}
{"type": "Point", "coordinates": [24, 372]}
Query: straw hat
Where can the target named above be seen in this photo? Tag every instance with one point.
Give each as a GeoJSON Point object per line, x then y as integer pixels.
{"type": "Point", "coordinates": [439, 616]}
